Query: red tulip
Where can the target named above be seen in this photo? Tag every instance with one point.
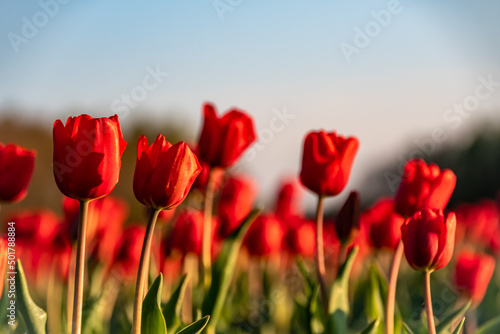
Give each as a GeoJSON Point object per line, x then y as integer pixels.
{"type": "Point", "coordinates": [300, 237]}
{"type": "Point", "coordinates": [105, 215]}
{"type": "Point", "coordinates": [473, 273]}
{"type": "Point", "coordinates": [429, 239]}
{"type": "Point", "coordinates": [288, 202]}
{"type": "Point", "coordinates": [347, 220]}
{"type": "Point", "coordinates": [16, 168]}
{"type": "Point", "coordinates": [87, 156]}
{"type": "Point", "coordinates": [128, 252]}
{"type": "Point", "coordinates": [186, 234]}
{"type": "Point", "coordinates": [383, 225]}
{"type": "Point", "coordinates": [164, 173]}
{"type": "Point", "coordinates": [326, 162]}
{"type": "Point", "coordinates": [224, 139]}
{"type": "Point", "coordinates": [3, 262]}
{"type": "Point", "coordinates": [35, 228]}
{"type": "Point", "coordinates": [423, 187]}
{"type": "Point", "coordinates": [265, 236]}
{"type": "Point", "coordinates": [477, 222]}
{"type": "Point", "coordinates": [235, 203]}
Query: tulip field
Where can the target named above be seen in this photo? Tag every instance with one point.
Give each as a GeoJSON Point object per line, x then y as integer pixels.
{"type": "Point", "coordinates": [206, 259]}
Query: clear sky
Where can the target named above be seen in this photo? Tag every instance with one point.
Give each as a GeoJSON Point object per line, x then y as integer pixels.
{"type": "Point", "coordinates": [385, 71]}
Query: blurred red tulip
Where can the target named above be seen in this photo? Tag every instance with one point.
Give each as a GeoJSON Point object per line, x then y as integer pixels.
{"type": "Point", "coordinates": [423, 187]}
{"type": "Point", "coordinates": [288, 201]}
{"type": "Point", "coordinates": [235, 203]}
{"type": "Point", "coordinates": [223, 140]}
{"type": "Point", "coordinates": [186, 234]}
{"type": "Point", "coordinates": [326, 162]}
{"type": "Point", "coordinates": [87, 156]}
{"type": "Point", "coordinates": [477, 222]}
{"type": "Point", "coordinates": [265, 236]}
{"type": "Point", "coordinates": [429, 239]}
{"type": "Point", "coordinates": [473, 273]}
{"type": "Point", "coordinates": [35, 228]}
{"type": "Point", "coordinates": [128, 252]}
{"type": "Point", "coordinates": [300, 237]}
{"type": "Point", "coordinates": [164, 173]}
{"type": "Point", "coordinates": [383, 225]}
{"type": "Point", "coordinates": [347, 220]}
{"type": "Point", "coordinates": [16, 168]}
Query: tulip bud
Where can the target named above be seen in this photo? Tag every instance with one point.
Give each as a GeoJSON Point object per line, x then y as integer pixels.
{"type": "Point", "coordinates": [326, 162]}
{"type": "Point", "coordinates": [16, 168]}
{"type": "Point", "coordinates": [429, 239]}
{"type": "Point", "coordinates": [423, 187]}
{"type": "Point", "coordinates": [164, 173]}
{"type": "Point", "coordinates": [223, 140]}
{"type": "Point", "coordinates": [288, 201]}
{"type": "Point", "coordinates": [473, 273]}
{"type": "Point", "coordinates": [347, 220]}
{"type": "Point", "coordinates": [128, 252]}
{"type": "Point", "coordinates": [87, 156]}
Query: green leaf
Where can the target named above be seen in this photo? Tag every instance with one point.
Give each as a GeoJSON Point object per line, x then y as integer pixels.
{"type": "Point", "coordinates": [305, 272]}
{"type": "Point", "coordinates": [34, 317]}
{"type": "Point", "coordinates": [195, 327]}
{"type": "Point", "coordinates": [172, 310]}
{"type": "Point", "coordinates": [374, 304]}
{"type": "Point", "coordinates": [445, 324]}
{"type": "Point", "coordinates": [459, 327]}
{"type": "Point", "coordinates": [222, 271]}
{"type": "Point", "coordinates": [338, 307]}
{"type": "Point", "coordinates": [152, 318]}
{"type": "Point", "coordinates": [372, 328]}
{"type": "Point", "coordinates": [490, 327]}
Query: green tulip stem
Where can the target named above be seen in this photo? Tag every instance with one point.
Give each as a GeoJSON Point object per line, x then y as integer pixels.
{"type": "Point", "coordinates": [428, 303]}
{"type": "Point", "coordinates": [142, 273]}
{"type": "Point", "coordinates": [80, 268]}
{"type": "Point", "coordinates": [206, 246]}
{"type": "Point", "coordinates": [391, 293]}
{"type": "Point", "coordinates": [320, 252]}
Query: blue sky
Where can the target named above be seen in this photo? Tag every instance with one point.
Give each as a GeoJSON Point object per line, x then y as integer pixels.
{"type": "Point", "coordinates": [262, 56]}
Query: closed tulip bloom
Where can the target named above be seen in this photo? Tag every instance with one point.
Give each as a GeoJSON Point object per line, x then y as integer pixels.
{"type": "Point", "coordinates": [164, 173]}
{"type": "Point", "coordinates": [424, 186]}
{"type": "Point", "coordinates": [223, 139]}
{"type": "Point", "coordinates": [87, 156]}
{"type": "Point", "coordinates": [326, 162]}
{"type": "Point", "coordinates": [16, 168]}
{"type": "Point", "coordinates": [235, 203]}
{"type": "Point", "coordinates": [383, 225]}
{"type": "Point", "coordinates": [477, 222]}
{"type": "Point", "coordinates": [347, 220]}
{"type": "Point", "coordinates": [473, 273]}
{"type": "Point", "coordinates": [265, 236]}
{"type": "Point", "coordinates": [429, 239]}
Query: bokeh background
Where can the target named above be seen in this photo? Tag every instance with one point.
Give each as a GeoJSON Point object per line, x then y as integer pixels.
{"type": "Point", "coordinates": [408, 78]}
